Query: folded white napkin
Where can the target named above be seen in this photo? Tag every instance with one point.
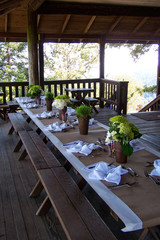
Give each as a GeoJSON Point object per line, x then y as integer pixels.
{"type": "Point", "coordinates": [81, 147]}
{"type": "Point", "coordinates": [57, 127]}
{"type": "Point", "coordinates": [31, 105]}
{"type": "Point", "coordinates": [71, 111]}
{"type": "Point", "coordinates": [92, 122]}
{"type": "Point", "coordinates": [45, 115]}
{"type": "Point", "coordinates": [156, 170]}
{"type": "Point", "coordinates": [102, 171]}
{"type": "Point", "coordinates": [27, 100]}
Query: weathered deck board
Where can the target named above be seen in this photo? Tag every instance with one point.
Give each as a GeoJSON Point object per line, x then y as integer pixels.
{"type": "Point", "coordinates": [17, 211]}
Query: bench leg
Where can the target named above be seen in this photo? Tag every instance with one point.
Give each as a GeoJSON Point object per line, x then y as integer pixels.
{"type": "Point", "coordinates": [23, 155]}
{"type": "Point", "coordinates": [18, 146]}
{"type": "Point", "coordinates": [10, 130]}
{"type": "Point", "coordinates": [28, 119]}
{"type": "Point", "coordinates": [44, 208]}
{"type": "Point", "coordinates": [36, 190]}
{"type": "Point", "coordinates": [67, 166]}
{"type": "Point", "coordinates": [45, 139]}
{"type": "Point", "coordinates": [81, 183]}
{"type": "Point", "coordinates": [143, 234]}
{"type": "Point", "coordinates": [38, 131]}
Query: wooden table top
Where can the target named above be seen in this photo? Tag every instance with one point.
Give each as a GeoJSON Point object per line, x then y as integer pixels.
{"type": "Point", "coordinates": [137, 206]}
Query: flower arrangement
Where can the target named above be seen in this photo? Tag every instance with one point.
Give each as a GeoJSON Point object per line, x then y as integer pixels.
{"type": "Point", "coordinates": [123, 132]}
{"type": "Point", "coordinates": [34, 91]}
{"type": "Point", "coordinates": [83, 111]}
{"type": "Point", "coordinates": [61, 101]}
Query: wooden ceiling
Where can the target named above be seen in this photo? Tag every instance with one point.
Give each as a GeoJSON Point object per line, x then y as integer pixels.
{"type": "Point", "coordinates": [116, 21]}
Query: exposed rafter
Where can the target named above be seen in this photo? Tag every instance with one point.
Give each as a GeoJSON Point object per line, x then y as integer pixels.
{"type": "Point", "coordinates": [114, 24]}
{"type": "Point", "coordinates": [140, 24]}
{"type": "Point", "coordinates": [65, 25]}
{"type": "Point", "coordinates": [92, 19]}
{"type": "Point", "coordinates": [6, 25]}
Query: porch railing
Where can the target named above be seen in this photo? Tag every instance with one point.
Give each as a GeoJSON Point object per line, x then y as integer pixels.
{"type": "Point", "coordinates": [112, 94]}
{"type": "Point", "coordinates": [154, 105]}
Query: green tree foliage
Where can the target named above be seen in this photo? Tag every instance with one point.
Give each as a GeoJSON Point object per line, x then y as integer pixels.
{"type": "Point", "coordinates": [70, 61]}
{"type": "Point", "coordinates": [152, 89]}
{"type": "Point", "coordinates": [13, 62]}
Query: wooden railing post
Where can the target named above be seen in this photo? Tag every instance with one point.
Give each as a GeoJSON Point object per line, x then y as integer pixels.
{"type": "Point", "coordinates": [122, 97]}
{"type": "Point", "coordinates": [101, 69]}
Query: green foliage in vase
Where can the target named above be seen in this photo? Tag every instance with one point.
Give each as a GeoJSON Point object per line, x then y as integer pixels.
{"type": "Point", "coordinates": [83, 110]}
{"type": "Point", "coordinates": [49, 95]}
{"type": "Point", "coordinates": [34, 91]}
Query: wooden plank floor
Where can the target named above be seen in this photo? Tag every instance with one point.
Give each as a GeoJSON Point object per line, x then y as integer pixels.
{"type": "Point", "coordinates": [18, 220]}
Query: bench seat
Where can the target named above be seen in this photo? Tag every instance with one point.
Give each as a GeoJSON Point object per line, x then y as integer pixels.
{"type": "Point", "coordinates": [38, 152]}
{"type": "Point", "coordinates": [77, 216]}
{"type": "Point", "coordinates": [18, 123]}
{"type": "Point", "coordinates": [91, 102]}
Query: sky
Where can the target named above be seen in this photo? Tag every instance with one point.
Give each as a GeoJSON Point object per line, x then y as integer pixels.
{"type": "Point", "coordinates": [120, 62]}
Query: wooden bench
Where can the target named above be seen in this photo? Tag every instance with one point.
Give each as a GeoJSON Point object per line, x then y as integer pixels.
{"type": "Point", "coordinates": [75, 102]}
{"type": "Point", "coordinates": [13, 107]}
{"type": "Point", "coordinates": [18, 123]}
{"type": "Point", "coordinates": [38, 152]}
{"type": "Point", "coordinates": [91, 102]}
{"type": "Point", "coordinates": [3, 111]}
{"type": "Point", "coordinates": [77, 216]}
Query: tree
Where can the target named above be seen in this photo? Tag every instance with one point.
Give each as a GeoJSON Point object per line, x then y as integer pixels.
{"type": "Point", "coordinates": [13, 62]}
{"type": "Point", "coordinates": [70, 61]}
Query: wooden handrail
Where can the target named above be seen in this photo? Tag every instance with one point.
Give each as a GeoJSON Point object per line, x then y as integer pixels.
{"type": "Point", "coordinates": [111, 92]}
{"type": "Point", "coordinates": [154, 105]}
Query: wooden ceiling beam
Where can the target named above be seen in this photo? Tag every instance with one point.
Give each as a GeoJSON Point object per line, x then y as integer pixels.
{"type": "Point", "coordinates": [89, 24]}
{"type": "Point", "coordinates": [114, 24]}
{"type": "Point", "coordinates": [140, 24]}
{"type": "Point", "coordinates": [65, 25]}
{"type": "Point", "coordinates": [35, 4]}
{"type": "Point", "coordinates": [6, 26]}
{"type": "Point", "coordinates": [97, 9]}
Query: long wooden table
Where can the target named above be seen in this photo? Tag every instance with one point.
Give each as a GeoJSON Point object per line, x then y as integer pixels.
{"type": "Point", "coordinates": [137, 206]}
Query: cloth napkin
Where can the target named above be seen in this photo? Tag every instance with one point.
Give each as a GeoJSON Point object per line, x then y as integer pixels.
{"type": "Point", "coordinates": [92, 122]}
{"type": "Point", "coordinates": [81, 147]}
{"type": "Point", "coordinates": [71, 111]}
{"type": "Point", "coordinates": [31, 105]}
{"type": "Point", "coordinates": [27, 100]}
{"type": "Point", "coordinates": [57, 127]}
{"type": "Point", "coordinates": [45, 115]}
{"type": "Point", "coordinates": [102, 171]}
{"type": "Point", "coordinates": [156, 170]}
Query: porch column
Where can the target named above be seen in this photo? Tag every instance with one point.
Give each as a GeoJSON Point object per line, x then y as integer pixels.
{"type": "Point", "coordinates": [158, 72]}
{"type": "Point", "coordinates": [41, 64]}
{"type": "Point", "coordinates": [101, 70]}
{"type": "Point", "coordinates": [32, 47]}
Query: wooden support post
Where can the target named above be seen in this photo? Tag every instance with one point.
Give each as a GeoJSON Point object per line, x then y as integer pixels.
{"type": "Point", "coordinates": [158, 71]}
{"type": "Point", "coordinates": [101, 70]}
{"type": "Point", "coordinates": [32, 47]}
{"type": "Point", "coordinates": [41, 64]}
